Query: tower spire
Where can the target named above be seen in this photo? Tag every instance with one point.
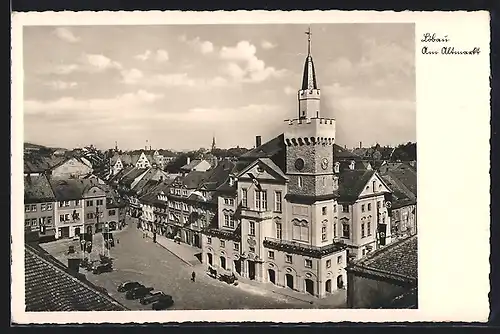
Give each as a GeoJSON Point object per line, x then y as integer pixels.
{"type": "Point", "coordinates": [309, 78]}
{"type": "Point", "coordinates": [308, 33]}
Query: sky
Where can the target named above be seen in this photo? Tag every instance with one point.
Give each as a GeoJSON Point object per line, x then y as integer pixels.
{"type": "Point", "coordinates": [177, 86]}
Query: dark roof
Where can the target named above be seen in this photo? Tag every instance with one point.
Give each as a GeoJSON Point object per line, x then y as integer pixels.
{"type": "Point", "coordinates": [192, 164]}
{"type": "Point", "coordinates": [218, 175]}
{"type": "Point", "coordinates": [151, 172]}
{"type": "Point", "coordinates": [35, 163]}
{"type": "Point", "coordinates": [49, 287]}
{"type": "Point", "coordinates": [399, 259]}
{"type": "Point", "coordinates": [37, 189]}
{"type": "Point", "coordinates": [401, 196]}
{"type": "Point", "coordinates": [191, 180]}
{"type": "Point", "coordinates": [67, 189]}
{"type": "Point", "coordinates": [407, 175]}
{"type": "Point", "coordinates": [352, 182]}
{"type": "Point", "coordinates": [267, 150]}
{"type": "Point", "coordinates": [129, 178]}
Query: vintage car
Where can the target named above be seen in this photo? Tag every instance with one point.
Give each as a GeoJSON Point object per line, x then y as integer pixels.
{"type": "Point", "coordinates": [129, 285]}
{"type": "Point", "coordinates": [100, 268]}
{"type": "Point", "coordinates": [163, 303]}
{"type": "Point", "coordinates": [138, 292]}
{"type": "Point", "coordinates": [152, 297]}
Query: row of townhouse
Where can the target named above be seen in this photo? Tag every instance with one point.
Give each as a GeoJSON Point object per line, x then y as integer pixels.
{"type": "Point", "coordinates": [142, 160]}
{"type": "Point", "coordinates": [64, 208]}
{"type": "Point", "coordinates": [184, 207]}
{"type": "Point", "coordinates": [133, 182]}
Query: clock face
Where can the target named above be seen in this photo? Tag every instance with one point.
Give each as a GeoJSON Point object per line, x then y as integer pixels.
{"type": "Point", "coordinates": [324, 163]}
{"type": "Point", "coordinates": [299, 164]}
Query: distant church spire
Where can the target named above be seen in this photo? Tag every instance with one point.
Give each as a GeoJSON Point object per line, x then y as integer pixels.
{"type": "Point", "coordinates": [213, 143]}
{"type": "Point", "coordinates": [309, 78]}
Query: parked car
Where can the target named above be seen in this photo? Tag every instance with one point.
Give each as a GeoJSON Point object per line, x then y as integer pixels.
{"type": "Point", "coordinates": [163, 303]}
{"type": "Point", "coordinates": [102, 268]}
{"type": "Point", "coordinates": [153, 296]}
{"type": "Point", "coordinates": [138, 292]}
{"type": "Point", "coordinates": [129, 285]}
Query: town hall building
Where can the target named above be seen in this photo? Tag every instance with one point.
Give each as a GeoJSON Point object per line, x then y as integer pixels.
{"type": "Point", "coordinates": [301, 214]}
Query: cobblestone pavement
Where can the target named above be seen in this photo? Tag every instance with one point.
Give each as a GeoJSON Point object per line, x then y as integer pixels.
{"type": "Point", "coordinates": [138, 258]}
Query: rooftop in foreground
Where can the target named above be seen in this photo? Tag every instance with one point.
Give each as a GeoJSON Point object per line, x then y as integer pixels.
{"type": "Point", "coordinates": [49, 287]}
{"type": "Point", "coordinates": [397, 261]}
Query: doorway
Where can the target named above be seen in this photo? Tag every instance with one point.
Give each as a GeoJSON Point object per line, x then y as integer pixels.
{"type": "Point", "coordinates": [272, 275]}
{"type": "Point", "coordinates": [65, 232]}
{"type": "Point", "coordinates": [237, 266]}
{"type": "Point", "coordinates": [328, 286]}
{"type": "Point", "coordinates": [223, 262]}
{"type": "Point", "coordinates": [340, 282]}
{"type": "Point", "coordinates": [77, 231]}
{"type": "Point", "coordinates": [210, 259]}
{"type": "Point", "coordinates": [309, 286]}
{"type": "Point", "coordinates": [251, 270]}
{"type": "Point", "coordinates": [289, 280]}
{"type": "Point", "coordinates": [89, 229]}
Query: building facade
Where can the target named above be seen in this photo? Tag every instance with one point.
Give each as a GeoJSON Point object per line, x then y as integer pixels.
{"type": "Point", "coordinates": [69, 210]}
{"type": "Point", "coordinates": [95, 211]}
{"type": "Point", "coordinates": [39, 206]}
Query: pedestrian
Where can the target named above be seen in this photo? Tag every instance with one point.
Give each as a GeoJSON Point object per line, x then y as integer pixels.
{"type": "Point", "coordinates": [193, 276]}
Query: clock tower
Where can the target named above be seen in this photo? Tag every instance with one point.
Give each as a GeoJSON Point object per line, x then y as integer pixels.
{"type": "Point", "coordinates": [309, 141]}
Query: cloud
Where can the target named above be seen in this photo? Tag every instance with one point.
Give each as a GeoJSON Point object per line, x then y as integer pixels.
{"type": "Point", "coordinates": [90, 63]}
{"type": "Point", "coordinates": [66, 35]}
{"type": "Point", "coordinates": [136, 77]}
{"type": "Point", "coordinates": [144, 56]}
{"type": "Point", "coordinates": [131, 76]}
{"type": "Point", "coordinates": [100, 62]}
{"type": "Point", "coordinates": [244, 65]}
{"type": "Point", "coordinates": [267, 45]}
{"type": "Point", "coordinates": [125, 106]}
{"type": "Point", "coordinates": [205, 47]}
{"type": "Point", "coordinates": [159, 55]}
{"type": "Point", "coordinates": [61, 85]}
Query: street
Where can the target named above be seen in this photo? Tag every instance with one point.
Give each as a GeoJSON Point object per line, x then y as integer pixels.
{"type": "Point", "coordinates": [139, 259]}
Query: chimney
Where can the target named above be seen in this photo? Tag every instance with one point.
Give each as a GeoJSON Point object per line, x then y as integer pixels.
{"type": "Point", "coordinates": [74, 266]}
{"type": "Point", "coordinates": [150, 147]}
{"type": "Point", "coordinates": [360, 145]}
{"type": "Point", "coordinates": [258, 141]}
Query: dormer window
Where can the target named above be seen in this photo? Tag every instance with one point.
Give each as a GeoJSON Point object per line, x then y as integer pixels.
{"type": "Point", "coordinates": [352, 165]}
{"type": "Point", "coordinates": [337, 167]}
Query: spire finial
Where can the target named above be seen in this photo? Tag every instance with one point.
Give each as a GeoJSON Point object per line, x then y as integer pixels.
{"type": "Point", "coordinates": [308, 33]}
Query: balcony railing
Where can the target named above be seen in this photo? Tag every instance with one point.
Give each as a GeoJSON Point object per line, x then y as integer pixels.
{"type": "Point", "coordinates": [294, 247]}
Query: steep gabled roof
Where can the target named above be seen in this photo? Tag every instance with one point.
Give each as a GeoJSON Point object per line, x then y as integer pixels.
{"type": "Point", "coordinates": [193, 179]}
{"type": "Point", "coordinates": [352, 183]}
{"type": "Point", "coordinates": [133, 174]}
{"type": "Point", "coordinates": [49, 287]}
{"type": "Point", "coordinates": [192, 164]}
{"type": "Point", "coordinates": [67, 189]}
{"type": "Point", "coordinates": [269, 149]}
{"type": "Point", "coordinates": [407, 176]}
{"type": "Point", "coordinates": [35, 163]}
{"type": "Point", "coordinates": [37, 189]}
